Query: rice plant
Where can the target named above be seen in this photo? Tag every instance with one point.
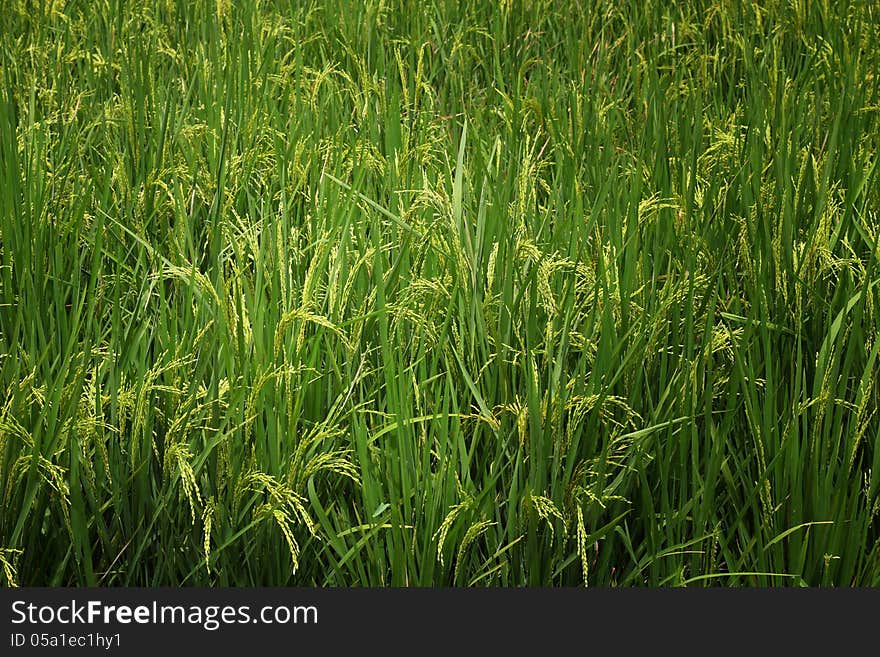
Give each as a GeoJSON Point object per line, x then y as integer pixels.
{"type": "Point", "coordinates": [476, 294]}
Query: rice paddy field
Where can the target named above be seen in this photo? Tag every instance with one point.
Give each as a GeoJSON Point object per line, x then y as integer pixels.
{"type": "Point", "coordinates": [456, 293]}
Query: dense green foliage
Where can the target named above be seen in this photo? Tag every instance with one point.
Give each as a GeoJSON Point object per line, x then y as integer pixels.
{"type": "Point", "coordinates": [447, 293]}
